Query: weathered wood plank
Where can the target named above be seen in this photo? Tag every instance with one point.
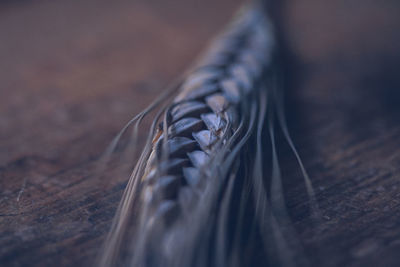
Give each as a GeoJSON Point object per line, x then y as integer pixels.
{"type": "Point", "coordinates": [73, 72]}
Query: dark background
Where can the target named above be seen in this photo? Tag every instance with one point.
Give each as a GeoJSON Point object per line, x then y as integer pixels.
{"type": "Point", "coordinates": [73, 72]}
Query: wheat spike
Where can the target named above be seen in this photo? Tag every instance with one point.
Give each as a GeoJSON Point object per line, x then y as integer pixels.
{"type": "Point", "coordinates": [200, 178]}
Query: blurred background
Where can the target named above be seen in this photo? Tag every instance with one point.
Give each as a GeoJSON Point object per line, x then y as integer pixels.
{"type": "Point", "coordinates": [72, 73]}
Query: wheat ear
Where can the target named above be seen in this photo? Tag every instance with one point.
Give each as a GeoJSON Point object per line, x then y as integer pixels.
{"type": "Point", "coordinates": [198, 194]}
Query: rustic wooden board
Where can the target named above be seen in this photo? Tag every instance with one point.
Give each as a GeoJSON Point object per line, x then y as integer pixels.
{"type": "Point", "coordinates": [73, 72]}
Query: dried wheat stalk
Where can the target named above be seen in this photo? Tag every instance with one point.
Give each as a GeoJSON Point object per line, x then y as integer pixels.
{"type": "Point", "coordinates": [200, 178]}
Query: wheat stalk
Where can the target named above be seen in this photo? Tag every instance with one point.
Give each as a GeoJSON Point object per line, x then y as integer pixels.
{"type": "Point", "coordinates": [204, 157]}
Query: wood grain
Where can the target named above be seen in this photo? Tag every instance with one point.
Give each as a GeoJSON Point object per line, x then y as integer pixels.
{"type": "Point", "coordinates": [73, 72]}
{"type": "Point", "coordinates": [343, 107]}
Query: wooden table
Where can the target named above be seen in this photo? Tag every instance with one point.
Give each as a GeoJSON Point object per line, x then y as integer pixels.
{"type": "Point", "coordinates": [73, 72]}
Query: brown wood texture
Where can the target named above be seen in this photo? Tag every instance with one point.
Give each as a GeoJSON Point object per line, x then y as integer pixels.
{"type": "Point", "coordinates": [73, 72]}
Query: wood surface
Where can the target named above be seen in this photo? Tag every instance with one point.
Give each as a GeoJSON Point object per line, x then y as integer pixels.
{"type": "Point", "coordinates": [72, 73]}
